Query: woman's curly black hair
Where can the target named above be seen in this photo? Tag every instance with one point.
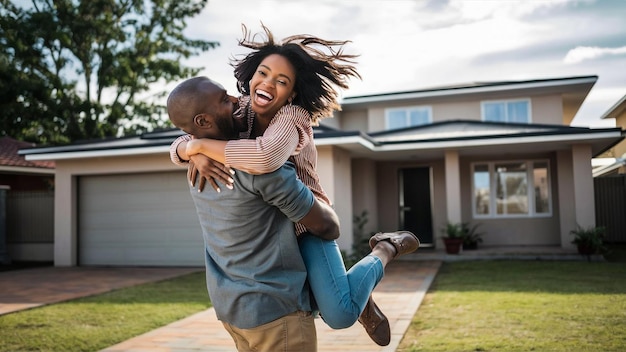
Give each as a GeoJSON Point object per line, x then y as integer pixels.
{"type": "Point", "coordinates": [321, 67]}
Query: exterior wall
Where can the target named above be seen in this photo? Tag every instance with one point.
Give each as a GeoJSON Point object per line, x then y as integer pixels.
{"type": "Point", "coordinates": [456, 111]}
{"type": "Point", "coordinates": [583, 185]}
{"type": "Point", "coordinates": [541, 231]}
{"type": "Point", "coordinates": [388, 194]}
{"type": "Point", "coordinates": [334, 169]}
{"type": "Point", "coordinates": [65, 199]}
{"type": "Point", "coordinates": [547, 110]}
{"type": "Point", "coordinates": [333, 121]}
{"type": "Point", "coordinates": [376, 119]}
{"type": "Point", "coordinates": [567, 197]}
{"type": "Point", "coordinates": [569, 111]}
{"type": "Point", "coordinates": [353, 120]}
{"type": "Point", "coordinates": [440, 204]}
{"type": "Point", "coordinates": [453, 186]}
{"type": "Point", "coordinates": [364, 192]}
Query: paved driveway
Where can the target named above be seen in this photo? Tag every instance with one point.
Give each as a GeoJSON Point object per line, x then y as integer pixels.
{"type": "Point", "coordinates": [28, 288]}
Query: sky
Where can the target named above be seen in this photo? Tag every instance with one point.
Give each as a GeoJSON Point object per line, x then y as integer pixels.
{"type": "Point", "coordinates": [408, 45]}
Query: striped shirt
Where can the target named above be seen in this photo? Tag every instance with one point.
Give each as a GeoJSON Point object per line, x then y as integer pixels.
{"type": "Point", "coordinates": [289, 135]}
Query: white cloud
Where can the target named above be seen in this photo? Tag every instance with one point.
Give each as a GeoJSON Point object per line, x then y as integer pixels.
{"type": "Point", "coordinates": [408, 44]}
{"type": "Point", "coordinates": [480, 9]}
{"type": "Point", "coordinates": [583, 53]}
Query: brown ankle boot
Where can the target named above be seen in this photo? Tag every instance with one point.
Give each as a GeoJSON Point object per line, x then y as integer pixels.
{"type": "Point", "coordinates": [375, 323]}
{"type": "Point", "coordinates": [404, 241]}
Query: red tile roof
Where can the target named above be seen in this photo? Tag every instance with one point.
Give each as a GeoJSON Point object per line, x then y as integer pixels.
{"type": "Point", "coordinates": [9, 156]}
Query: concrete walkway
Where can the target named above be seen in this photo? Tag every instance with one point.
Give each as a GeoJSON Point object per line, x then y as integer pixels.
{"type": "Point", "coordinates": [399, 295]}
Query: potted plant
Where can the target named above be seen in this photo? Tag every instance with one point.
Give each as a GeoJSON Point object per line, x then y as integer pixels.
{"type": "Point", "coordinates": [453, 237]}
{"type": "Point", "coordinates": [589, 240]}
{"type": "Point", "coordinates": [471, 236]}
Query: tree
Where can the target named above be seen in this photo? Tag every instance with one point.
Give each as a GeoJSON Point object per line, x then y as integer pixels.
{"type": "Point", "coordinates": [72, 70]}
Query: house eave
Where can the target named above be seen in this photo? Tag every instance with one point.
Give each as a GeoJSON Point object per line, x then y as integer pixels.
{"type": "Point", "coordinates": [605, 169]}
{"type": "Point", "coordinates": [617, 109]}
{"type": "Point", "coordinates": [100, 153]}
{"type": "Point", "coordinates": [500, 140]}
{"type": "Point", "coordinates": [26, 170]}
{"type": "Point", "coordinates": [458, 91]}
{"type": "Point", "coordinates": [366, 145]}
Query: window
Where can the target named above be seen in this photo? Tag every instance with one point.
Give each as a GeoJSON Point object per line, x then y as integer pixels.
{"type": "Point", "coordinates": [511, 189]}
{"type": "Point", "coordinates": [407, 117]}
{"type": "Point", "coordinates": [517, 111]}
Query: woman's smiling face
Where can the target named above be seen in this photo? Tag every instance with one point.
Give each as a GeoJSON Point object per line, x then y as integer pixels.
{"type": "Point", "coordinates": [272, 85]}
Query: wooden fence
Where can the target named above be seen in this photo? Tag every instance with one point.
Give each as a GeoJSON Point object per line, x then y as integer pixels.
{"type": "Point", "coordinates": [610, 202]}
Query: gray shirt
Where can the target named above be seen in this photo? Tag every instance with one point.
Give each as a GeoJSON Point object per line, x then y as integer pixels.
{"type": "Point", "coordinates": [254, 270]}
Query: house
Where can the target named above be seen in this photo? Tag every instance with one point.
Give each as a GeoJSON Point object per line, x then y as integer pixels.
{"type": "Point", "coordinates": [502, 154]}
{"type": "Point", "coordinates": [29, 214]}
{"type": "Point", "coordinates": [613, 161]}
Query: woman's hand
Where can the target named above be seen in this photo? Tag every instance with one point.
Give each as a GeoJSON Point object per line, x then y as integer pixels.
{"type": "Point", "coordinates": [208, 169]}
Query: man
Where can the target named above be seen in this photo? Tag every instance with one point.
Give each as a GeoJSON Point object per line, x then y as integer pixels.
{"type": "Point", "coordinates": [255, 274]}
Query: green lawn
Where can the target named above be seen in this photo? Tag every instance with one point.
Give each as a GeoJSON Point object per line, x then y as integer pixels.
{"type": "Point", "coordinates": [94, 323]}
{"type": "Point", "coordinates": [471, 306]}
{"type": "Point", "coordinates": [522, 306]}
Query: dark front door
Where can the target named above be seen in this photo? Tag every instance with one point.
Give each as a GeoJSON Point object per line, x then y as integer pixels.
{"type": "Point", "coordinates": [415, 203]}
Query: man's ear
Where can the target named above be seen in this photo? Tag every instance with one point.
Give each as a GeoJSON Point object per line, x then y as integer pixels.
{"type": "Point", "coordinates": [202, 121]}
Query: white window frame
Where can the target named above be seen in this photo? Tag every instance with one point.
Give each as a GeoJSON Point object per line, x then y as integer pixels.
{"type": "Point", "coordinates": [530, 191]}
{"type": "Point", "coordinates": [407, 110]}
{"type": "Point", "coordinates": [506, 102]}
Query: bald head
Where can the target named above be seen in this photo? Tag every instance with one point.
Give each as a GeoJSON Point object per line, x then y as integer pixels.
{"type": "Point", "coordinates": [201, 107]}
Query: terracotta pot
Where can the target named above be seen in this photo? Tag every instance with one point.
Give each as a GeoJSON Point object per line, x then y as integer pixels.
{"type": "Point", "coordinates": [453, 245]}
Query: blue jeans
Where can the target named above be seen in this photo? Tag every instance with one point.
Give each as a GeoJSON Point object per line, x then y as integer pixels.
{"type": "Point", "coordinates": [340, 295]}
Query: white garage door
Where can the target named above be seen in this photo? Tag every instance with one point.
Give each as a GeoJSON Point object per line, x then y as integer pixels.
{"type": "Point", "coordinates": [138, 219]}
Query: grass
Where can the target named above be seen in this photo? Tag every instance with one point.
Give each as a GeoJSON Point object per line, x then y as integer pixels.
{"type": "Point", "coordinates": [471, 306]}
{"type": "Point", "coordinates": [96, 322]}
{"type": "Point", "coordinates": [616, 252]}
{"type": "Point", "coordinates": [522, 306]}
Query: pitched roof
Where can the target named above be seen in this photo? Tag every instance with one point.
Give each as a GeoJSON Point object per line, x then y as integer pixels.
{"type": "Point", "coordinates": [617, 109]}
{"type": "Point", "coordinates": [9, 155]}
{"type": "Point", "coordinates": [578, 84]}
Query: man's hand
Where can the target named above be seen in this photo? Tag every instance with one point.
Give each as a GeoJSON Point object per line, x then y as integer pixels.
{"type": "Point", "coordinates": [208, 169]}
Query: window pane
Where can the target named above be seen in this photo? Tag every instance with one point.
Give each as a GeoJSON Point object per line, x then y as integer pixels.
{"type": "Point", "coordinates": [494, 112]}
{"type": "Point", "coordinates": [518, 112]}
{"type": "Point", "coordinates": [511, 188]}
{"type": "Point", "coordinates": [481, 189]}
{"type": "Point", "coordinates": [418, 117]}
{"type": "Point", "coordinates": [540, 182]}
{"type": "Point", "coordinates": [396, 119]}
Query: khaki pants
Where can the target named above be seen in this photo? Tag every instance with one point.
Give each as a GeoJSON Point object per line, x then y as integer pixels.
{"type": "Point", "coordinates": [292, 333]}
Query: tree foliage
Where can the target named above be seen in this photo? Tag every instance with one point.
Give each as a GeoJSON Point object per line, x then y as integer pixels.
{"type": "Point", "coordinates": [72, 70]}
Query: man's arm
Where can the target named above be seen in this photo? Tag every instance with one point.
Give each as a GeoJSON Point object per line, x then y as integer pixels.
{"type": "Point", "coordinates": [284, 190]}
{"type": "Point", "coordinates": [322, 221]}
